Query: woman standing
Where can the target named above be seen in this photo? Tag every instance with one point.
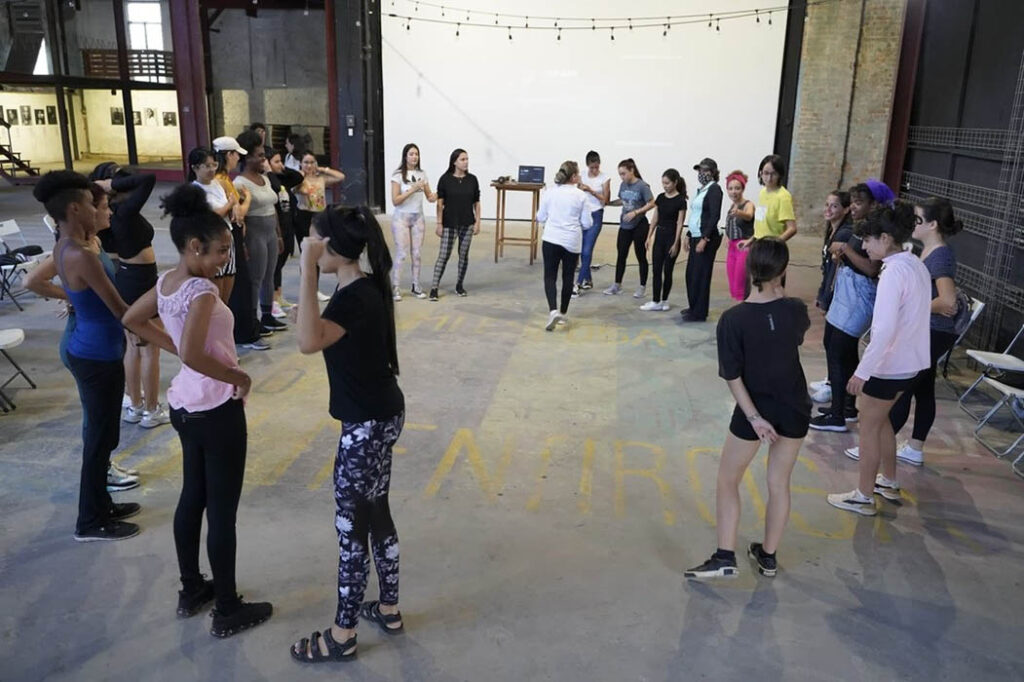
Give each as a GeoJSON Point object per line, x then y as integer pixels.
{"type": "Point", "coordinates": [207, 408]}
{"type": "Point", "coordinates": [668, 218]}
{"type": "Point", "coordinates": [636, 199]}
{"type": "Point", "coordinates": [262, 231]}
{"type": "Point", "coordinates": [771, 405]}
{"type": "Point", "coordinates": [458, 216]}
{"type": "Point", "coordinates": [703, 240]}
{"type": "Point", "coordinates": [311, 198]}
{"type": "Point", "coordinates": [227, 153]}
{"type": "Point", "coordinates": [356, 334]}
{"type": "Point", "coordinates": [739, 227]}
{"type": "Point", "coordinates": [774, 216]}
{"type": "Point", "coordinates": [409, 186]}
{"type": "Point", "coordinates": [597, 185]}
{"type": "Point", "coordinates": [136, 274]}
{"type": "Point", "coordinates": [898, 350]}
{"type": "Point", "coordinates": [565, 216]}
{"type": "Point", "coordinates": [283, 180]}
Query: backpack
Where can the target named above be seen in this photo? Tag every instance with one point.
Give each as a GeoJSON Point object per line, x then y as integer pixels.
{"type": "Point", "coordinates": [962, 318]}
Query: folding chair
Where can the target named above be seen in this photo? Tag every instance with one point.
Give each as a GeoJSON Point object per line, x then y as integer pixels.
{"type": "Point", "coordinates": [992, 363]}
{"type": "Point", "coordinates": [11, 338]}
{"type": "Point", "coordinates": [976, 308]}
{"type": "Point", "coordinates": [1013, 398]}
{"type": "Point", "coordinates": [8, 231]}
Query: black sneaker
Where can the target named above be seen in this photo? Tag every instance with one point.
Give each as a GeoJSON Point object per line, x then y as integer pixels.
{"type": "Point", "coordinates": [766, 565]}
{"type": "Point", "coordinates": [433, 294]}
{"type": "Point", "coordinates": [715, 567]}
{"type": "Point", "coordinates": [460, 291]}
{"type": "Point", "coordinates": [850, 414]}
{"type": "Point", "coordinates": [124, 510]}
{"type": "Point", "coordinates": [265, 331]}
{"type": "Point", "coordinates": [113, 530]}
{"type": "Point", "coordinates": [828, 422]}
{"type": "Point", "coordinates": [272, 323]}
{"type": "Point", "coordinates": [189, 603]}
{"type": "Point", "coordinates": [242, 618]}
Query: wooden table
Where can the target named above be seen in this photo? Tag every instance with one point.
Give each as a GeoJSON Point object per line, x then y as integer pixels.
{"type": "Point", "coordinates": [499, 233]}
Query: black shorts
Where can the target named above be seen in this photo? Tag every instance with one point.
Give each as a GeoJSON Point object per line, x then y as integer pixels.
{"type": "Point", "coordinates": [887, 389]}
{"type": "Point", "coordinates": [134, 279]}
{"type": "Point", "coordinates": [787, 422]}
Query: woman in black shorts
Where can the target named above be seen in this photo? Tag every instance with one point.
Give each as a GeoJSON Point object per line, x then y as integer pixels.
{"type": "Point", "coordinates": [758, 356]}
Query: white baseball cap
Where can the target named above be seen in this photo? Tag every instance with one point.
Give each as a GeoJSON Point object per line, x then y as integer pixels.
{"type": "Point", "coordinates": [227, 144]}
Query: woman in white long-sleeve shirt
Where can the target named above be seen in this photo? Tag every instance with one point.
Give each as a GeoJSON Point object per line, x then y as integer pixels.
{"type": "Point", "coordinates": [564, 214]}
{"type": "Point", "coordinates": [898, 351]}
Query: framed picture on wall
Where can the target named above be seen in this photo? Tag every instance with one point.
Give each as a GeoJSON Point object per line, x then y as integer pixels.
{"type": "Point", "coordinates": [116, 116]}
{"type": "Point", "coordinates": [51, 115]}
{"type": "Point", "coordinates": [12, 116]}
{"type": "Point", "coordinates": [137, 118]}
{"type": "Point", "coordinates": [170, 118]}
{"type": "Point", "coordinates": [40, 117]}
{"type": "Point", "coordinates": [26, 115]}
{"type": "Point", "coordinates": [149, 117]}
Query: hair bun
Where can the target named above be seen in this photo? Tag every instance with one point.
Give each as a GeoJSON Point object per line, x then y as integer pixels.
{"type": "Point", "coordinates": [54, 182]}
{"type": "Point", "coordinates": [184, 201]}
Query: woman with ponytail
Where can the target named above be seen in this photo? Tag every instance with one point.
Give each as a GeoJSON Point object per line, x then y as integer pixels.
{"type": "Point", "coordinates": [563, 210]}
{"type": "Point", "coordinates": [663, 242]}
{"type": "Point", "coordinates": [356, 334]}
{"type": "Point", "coordinates": [636, 199]}
{"type": "Point", "coordinates": [207, 407]}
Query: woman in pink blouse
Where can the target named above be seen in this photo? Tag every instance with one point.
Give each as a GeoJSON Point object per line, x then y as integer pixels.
{"type": "Point", "coordinates": [207, 408]}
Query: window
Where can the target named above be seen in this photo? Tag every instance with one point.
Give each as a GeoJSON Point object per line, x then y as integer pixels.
{"type": "Point", "coordinates": [145, 25]}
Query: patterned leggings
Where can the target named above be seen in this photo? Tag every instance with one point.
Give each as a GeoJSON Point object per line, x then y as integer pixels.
{"type": "Point", "coordinates": [448, 235]}
{"type": "Point", "coordinates": [362, 475]}
{"type": "Point", "coordinates": [407, 229]}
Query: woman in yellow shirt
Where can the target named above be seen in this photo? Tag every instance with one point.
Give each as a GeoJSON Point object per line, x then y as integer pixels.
{"type": "Point", "coordinates": [774, 216]}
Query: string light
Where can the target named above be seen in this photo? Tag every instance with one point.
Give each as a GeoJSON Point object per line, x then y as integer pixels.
{"type": "Point", "coordinates": [757, 17]}
{"type": "Point", "coordinates": [458, 28]}
{"type": "Point", "coordinates": [509, 33]}
{"type": "Point", "coordinates": [630, 24]}
{"type": "Point", "coordinates": [559, 34]}
{"type": "Point", "coordinates": [769, 18]}
{"type": "Point", "coordinates": [442, 10]}
{"type": "Point", "coordinates": [527, 24]}
{"type": "Point", "coordinates": [709, 20]}
{"type": "Point", "coordinates": [718, 25]}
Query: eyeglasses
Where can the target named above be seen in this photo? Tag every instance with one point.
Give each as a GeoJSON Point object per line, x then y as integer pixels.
{"type": "Point", "coordinates": [768, 173]}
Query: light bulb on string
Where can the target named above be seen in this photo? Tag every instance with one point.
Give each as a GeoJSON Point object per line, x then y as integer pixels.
{"type": "Point", "coordinates": [757, 17]}
{"type": "Point", "coordinates": [630, 24]}
{"type": "Point", "coordinates": [527, 24]}
{"type": "Point", "coordinates": [495, 19]}
{"type": "Point", "coordinates": [458, 29]}
{"type": "Point", "coordinates": [442, 10]}
{"type": "Point", "coordinates": [612, 32]}
{"type": "Point", "coordinates": [709, 20]}
{"type": "Point", "coordinates": [769, 18]}
{"type": "Point", "coordinates": [416, 8]}
{"type": "Point", "coordinates": [559, 34]}
{"type": "Point", "coordinates": [593, 25]}
{"type": "Point", "coordinates": [509, 32]}
{"type": "Point", "coordinates": [664, 31]}
{"type": "Point", "coordinates": [718, 25]}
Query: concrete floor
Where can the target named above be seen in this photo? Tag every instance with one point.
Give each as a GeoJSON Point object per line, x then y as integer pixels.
{"type": "Point", "coordinates": [549, 491]}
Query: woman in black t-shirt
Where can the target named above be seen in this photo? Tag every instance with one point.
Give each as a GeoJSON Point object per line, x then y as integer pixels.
{"type": "Point", "coordinates": [758, 356]}
{"type": "Point", "coordinates": [356, 334]}
{"type": "Point", "coordinates": [458, 215]}
{"type": "Point", "coordinates": [667, 217]}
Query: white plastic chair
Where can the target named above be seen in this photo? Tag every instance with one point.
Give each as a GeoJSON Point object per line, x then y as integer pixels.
{"type": "Point", "coordinates": [11, 338]}
{"type": "Point", "coordinates": [976, 308]}
{"type": "Point", "coordinates": [992, 364]}
{"type": "Point", "coordinates": [1013, 398]}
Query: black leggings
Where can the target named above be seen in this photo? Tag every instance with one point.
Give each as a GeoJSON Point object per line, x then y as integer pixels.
{"type": "Point", "coordinates": [286, 220]}
{"type": "Point", "coordinates": [664, 239]}
{"type": "Point", "coordinates": [555, 255]}
{"type": "Point", "coordinates": [213, 446]}
{"type": "Point", "coordinates": [638, 238]}
{"type": "Point", "coordinates": [923, 392]}
{"type": "Point", "coordinates": [841, 354]}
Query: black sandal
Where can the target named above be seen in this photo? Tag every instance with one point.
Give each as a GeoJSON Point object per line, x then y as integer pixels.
{"type": "Point", "coordinates": [371, 612]}
{"type": "Point", "coordinates": [335, 651]}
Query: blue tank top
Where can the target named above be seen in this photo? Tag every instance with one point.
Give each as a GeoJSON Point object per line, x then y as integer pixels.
{"type": "Point", "coordinates": [97, 334]}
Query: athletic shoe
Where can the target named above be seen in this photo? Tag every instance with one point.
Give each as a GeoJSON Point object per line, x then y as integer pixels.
{"type": "Point", "coordinates": [613, 290]}
{"type": "Point", "coordinates": [586, 285]}
{"type": "Point", "coordinates": [821, 395]}
{"type": "Point", "coordinates": [460, 290]}
{"type": "Point", "coordinates": [272, 323]}
{"type": "Point", "coordinates": [124, 510]}
{"type": "Point", "coordinates": [417, 292]}
{"type": "Point", "coordinates": [322, 297]}
{"type": "Point", "coordinates": [575, 290]}
{"type": "Point", "coordinates": [119, 482]}
{"type": "Point", "coordinates": [126, 401]}
{"type": "Point", "coordinates": [890, 490]}
{"type": "Point", "coordinates": [715, 567]}
{"type": "Point", "coordinates": [156, 417]}
{"type": "Point", "coordinates": [266, 331]}
{"type": "Point", "coordinates": [818, 385]}
{"type": "Point", "coordinates": [113, 530]}
{"type": "Point", "coordinates": [850, 414]}
{"type": "Point", "coordinates": [132, 414]}
{"type": "Point", "coordinates": [396, 294]}
{"type": "Point", "coordinates": [909, 455]}
{"type": "Point", "coordinates": [563, 320]}
{"type": "Point", "coordinates": [124, 471]}
{"type": "Point", "coordinates": [243, 618]}
{"type": "Point", "coordinates": [766, 564]}
{"type": "Point", "coordinates": [284, 303]}
{"type": "Point", "coordinates": [828, 422]}
{"type": "Point", "coordinates": [552, 320]}
{"type": "Point", "coordinates": [640, 292]}
{"type": "Point", "coordinates": [651, 305]}
{"type": "Point", "coordinates": [433, 294]}
{"type": "Point", "coordinates": [277, 312]}
{"type": "Point", "coordinates": [189, 603]}
{"type": "Point", "coordinates": [664, 306]}
{"type": "Point", "coordinates": [852, 453]}
{"type": "Point", "coordinates": [853, 501]}
{"type": "Point", "coordinates": [258, 344]}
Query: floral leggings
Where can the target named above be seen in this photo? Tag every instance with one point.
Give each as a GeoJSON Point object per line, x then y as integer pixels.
{"type": "Point", "coordinates": [362, 475]}
{"type": "Point", "coordinates": [407, 229]}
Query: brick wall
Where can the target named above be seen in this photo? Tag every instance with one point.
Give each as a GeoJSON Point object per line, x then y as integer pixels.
{"type": "Point", "coordinates": [844, 100]}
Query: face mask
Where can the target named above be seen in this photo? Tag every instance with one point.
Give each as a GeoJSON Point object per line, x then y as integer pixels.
{"type": "Point", "coordinates": [703, 177]}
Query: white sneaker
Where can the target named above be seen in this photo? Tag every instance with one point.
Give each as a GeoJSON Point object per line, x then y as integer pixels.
{"type": "Point", "coordinates": [664, 306]}
{"type": "Point", "coordinates": [277, 312]}
{"type": "Point", "coordinates": [651, 305]}
{"type": "Point", "coordinates": [396, 294]}
{"type": "Point", "coordinates": [613, 290]}
{"type": "Point", "coordinates": [124, 471]}
{"type": "Point", "coordinates": [117, 482]}
{"type": "Point", "coordinates": [909, 455]}
{"type": "Point", "coordinates": [821, 395]}
{"type": "Point", "coordinates": [126, 401]}
{"type": "Point", "coordinates": [552, 320]}
{"type": "Point", "coordinates": [322, 297]}
{"type": "Point", "coordinates": [853, 501]}
{"type": "Point", "coordinates": [575, 290]}
{"type": "Point", "coordinates": [418, 292]}
{"type": "Point", "coordinates": [132, 414]}
{"type": "Point", "coordinates": [818, 385]}
{"type": "Point", "coordinates": [640, 292]}
{"type": "Point", "coordinates": [563, 320]}
{"type": "Point", "coordinates": [156, 417]}
{"type": "Point", "coordinates": [890, 490]}
{"type": "Point", "coordinates": [852, 453]}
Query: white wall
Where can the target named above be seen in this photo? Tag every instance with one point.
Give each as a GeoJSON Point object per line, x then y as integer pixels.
{"type": "Point", "coordinates": [665, 101]}
{"type": "Point", "coordinates": [98, 136]}
{"type": "Point", "coordinates": [37, 143]}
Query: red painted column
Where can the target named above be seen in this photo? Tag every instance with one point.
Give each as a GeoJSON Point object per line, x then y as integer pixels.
{"type": "Point", "coordinates": [903, 96]}
{"type": "Point", "coordinates": [332, 92]}
{"type": "Point", "coordinates": [189, 76]}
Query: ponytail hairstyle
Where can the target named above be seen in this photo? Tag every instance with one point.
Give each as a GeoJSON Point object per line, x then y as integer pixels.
{"type": "Point", "coordinates": [221, 157]}
{"type": "Point", "coordinates": [941, 211]}
{"type": "Point", "coordinates": [298, 143]}
{"type": "Point", "coordinates": [404, 166]}
{"type": "Point", "coordinates": [192, 217]}
{"type": "Point", "coordinates": [59, 189]}
{"type": "Point", "coordinates": [630, 165]}
{"type": "Point", "coordinates": [452, 158]}
{"type": "Point", "coordinates": [593, 157]}
{"type": "Point", "coordinates": [349, 230]}
{"type": "Point", "coordinates": [566, 171]}
{"type": "Point", "coordinates": [767, 259]}
{"type": "Point", "coordinates": [197, 157]}
{"type": "Point", "coordinates": [898, 222]}
{"type": "Point", "coordinates": [675, 178]}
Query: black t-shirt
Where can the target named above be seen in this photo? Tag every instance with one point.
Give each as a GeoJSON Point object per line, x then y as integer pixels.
{"type": "Point", "coordinates": [846, 233]}
{"type": "Point", "coordinates": [759, 343]}
{"type": "Point", "coordinates": [459, 195]}
{"type": "Point", "coordinates": [362, 381]}
{"type": "Point", "coordinates": [668, 209]}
